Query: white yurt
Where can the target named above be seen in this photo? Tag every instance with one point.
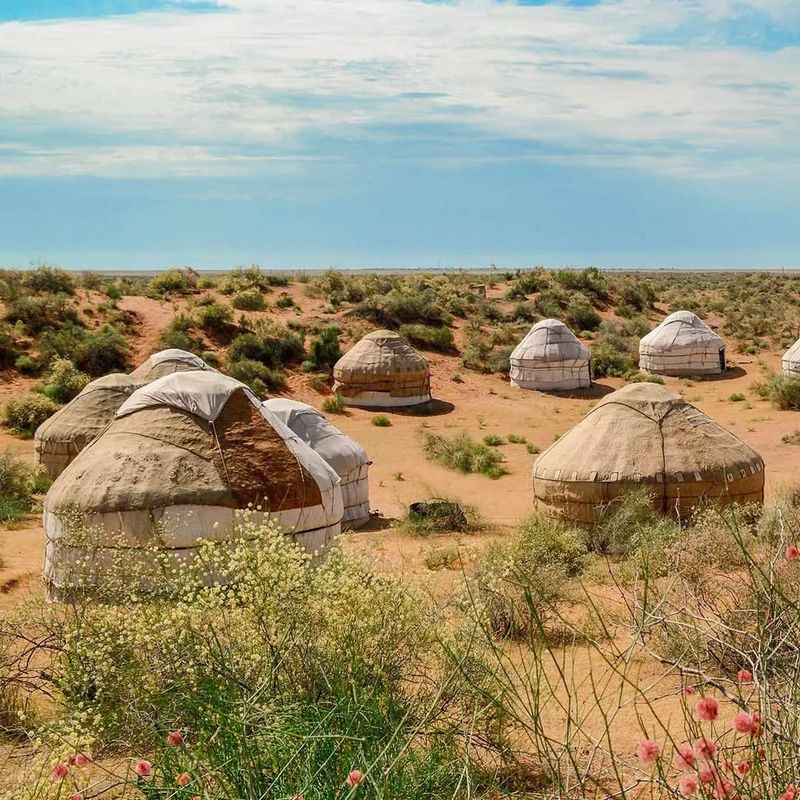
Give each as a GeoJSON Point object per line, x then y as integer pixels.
{"type": "Point", "coordinates": [645, 435]}
{"type": "Point", "coordinates": [59, 439]}
{"type": "Point", "coordinates": [346, 456]}
{"type": "Point", "coordinates": [682, 345]}
{"type": "Point", "coordinates": [550, 357]}
{"type": "Point", "coordinates": [165, 362]}
{"type": "Point", "coordinates": [382, 371]}
{"type": "Point", "coordinates": [183, 458]}
{"type": "Point", "coordinates": [790, 362]}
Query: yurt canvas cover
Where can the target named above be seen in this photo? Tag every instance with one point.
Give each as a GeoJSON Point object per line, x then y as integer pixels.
{"type": "Point", "coordinates": [645, 435]}
{"type": "Point", "coordinates": [59, 439]}
{"type": "Point", "coordinates": [348, 458]}
{"type": "Point", "coordinates": [382, 371]}
{"type": "Point", "coordinates": [682, 345]}
{"type": "Point", "coordinates": [790, 363]}
{"type": "Point", "coordinates": [550, 357]}
{"type": "Point", "coordinates": [183, 456]}
{"type": "Point", "coordinates": [166, 362]}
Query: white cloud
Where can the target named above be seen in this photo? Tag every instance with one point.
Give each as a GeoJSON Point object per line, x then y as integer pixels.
{"type": "Point", "coordinates": [189, 93]}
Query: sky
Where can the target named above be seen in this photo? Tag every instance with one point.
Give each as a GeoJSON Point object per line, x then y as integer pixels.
{"type": "Point", "coordinates": [400, 133]}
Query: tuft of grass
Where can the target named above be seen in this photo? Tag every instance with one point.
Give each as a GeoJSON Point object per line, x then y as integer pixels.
{"type": "Point", "coordinates": [462, 453]}
{"type": "Point", "coordinates": [19, 484]}
{"type": "Point", "coordinates": [428, 337]}
{"type": "Point", "coordinates": [534, 449]}
{"type": "Point", "coordinates": [381, 421]}
{"type": "Point", "coordinates": [514, 438]}
{"type": "Point", "coordinates": [737, 397]}
{"type": "Point", "coordinates": [782, 391]}
{"type": "Point", "coordinates": [334, 405]}
{"type": "Point", "coordinates": [442, 558]}
{"type": "Point", "coordinates": [493, 440]}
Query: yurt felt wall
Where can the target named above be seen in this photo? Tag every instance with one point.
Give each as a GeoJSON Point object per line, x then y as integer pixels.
{"type": "Point", "coordinates": [382, 371]}
{"type": "Point", "coordinates": [181, 461]}
{"type": "Point", "coordinates": [343, 454]}
{"type": "Point", "coordinates": [59, 439]}
{"type": "Point", "coordinates": [682, 344]}
{"type": "Point", "coordinates": [645, 435]}
{"type": "Point", "coordinates": [167, 362]}
{"type": "Point", "coordinates": [550, 358]}
{"type": "Point", "coordinates": [790, 362]}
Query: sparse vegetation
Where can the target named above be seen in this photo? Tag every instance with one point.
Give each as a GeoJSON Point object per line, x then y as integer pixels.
{"type": "Point", "coordinates": [19, 483]}
{"type": "Point", "coordinates": [462, 453]}
{"type": "Point", "coordinates": [381, 421]}
{"type": "Point", "coordinates": [23, 415]}
{"type": "Point", "coordinates": [334, 404]}
{"type": "Point", "coordinates": [782, 391]}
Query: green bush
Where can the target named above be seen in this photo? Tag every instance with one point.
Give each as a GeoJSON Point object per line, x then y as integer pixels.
{"type": "Point", "coordinates": [284, 301]}
{"type": "Point", "coordinates": [37, 313]}
{"type": "Point", "coordinates": [334, 405]}
{"type": "Point", "coordinates": [398, 308]}
{"type": "Point", "coordinates": [781, 390]}
{"type": "Point", "coordinates": [582, 317]}
{"type": "Point", "coordinates": [516, 586]}
{"type": "Point", "coordinates": [23, 415]}
{"type": "Point", "coordinates": [381, 421]}
{"type": "Point", "coordinates": [462, 453]}
{"type": "Point", "coordinates": [528, 283]}
{"type": "Point", "coordinates": [249, 300]}
{"type": "Point", "coordinates": [46, 279]}
{"type": "Point", "coordinates": [606, 361]}
{"type": "Point", "coordinates": [26, 365]}
{"type": "Point", "coordinates": [96, 352]}
{"type": "Point", "coordinates": [18, 485]}
{"type": "Point", "coordinates": [8, 346]}
{"type": "Point", "coordinates": [324, 350]}
{"type": "Point", "coordinates": [243, 279]}
{"type": "Point", "coordinates": [259, 377]}
{"type": "Point", "coordinates": [428, 337]}
{"type": "Point", "coordinates": [174, 281]}
{"type": "Point", "coordinates": [493, 440]}
{"type": "Point", "coordinates": [214, 318]}
{"type": "Point", "coordinates": [64, 381]}
{"type": "Point", "coordinates": [589, 281]}
{"type": "Point", "coordinates": [272, 345]}
{"type": "Point", "coordinates": [177, 336]}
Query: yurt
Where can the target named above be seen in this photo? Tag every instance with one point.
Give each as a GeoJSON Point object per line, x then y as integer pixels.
{"type": "Point", "coordinates": [382, 371]}
{"type": "Point", "coordinates": [183, 457]}
{"type": "Point", "coordinates": [790, 362]}
{"type": "Point", "coordinates": [682, 345]}
{"type": "Point", "coordinates": [550, 358]}
{"type": "Point", "coordinates": [347, 457]}
{"type": "Point", "coordinates": [645, 435]}
{"type": "Point", "coordinates": [60, 438]}
{"type": "Point", "coordinates": [166, 362]}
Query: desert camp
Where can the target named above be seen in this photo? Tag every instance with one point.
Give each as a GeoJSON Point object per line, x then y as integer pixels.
{"type": "Point", "coordinates": [550, 357]}
{"type": "Point", "coordinates": [382, 371]}
{"type": "Point", "coordinates": [166, 362]}
{"type": "Point", "coordinates": [682, 345]}
{"type": "Point", "coordinates": [344, 455]}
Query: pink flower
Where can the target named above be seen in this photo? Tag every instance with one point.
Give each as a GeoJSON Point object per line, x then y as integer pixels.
{"type": "Point", "coordinates": [743, 767]}
{"type": "Point", "coordinates": [143, 768]}
{"type": "Point", "coordinates": [60, 771]}
{"type": "Point", "coordinates": [688, 785]}
{"type": "Point", "coordinates": [705, 747]}
{"type": "Point", "coordinates": [789, 793]}
{"type": "Point", "coordinates": [183, 779]}
{"type": "Point", "coordinates": [76, 796]}
{"type": "Point", "coordinates": [743, 722]}
{"type": "Point", "coordinates": [648, 751]}
{"type": "Point", "coordinates": [706, 774]}
{"type": "Point", "coordinates": [80, 759]}
{"type": "Point", "coordinates": [684, 757]}
{"type": "Point", "coordinates": [354, 778]}
{"type": "Point", "coordinates": [744, 676]}
{"type": "Point", "coordinates": [175, 738]}
{"type": "Point", "coordinates": [725, 789]}
{"type": "Point", "coordinates": [707, 709]}
{"type": "Point", "coordinates": [792, 553]}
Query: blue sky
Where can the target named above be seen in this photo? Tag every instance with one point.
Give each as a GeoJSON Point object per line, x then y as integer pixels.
{"type": "Point", "coordinates": [382, 133]}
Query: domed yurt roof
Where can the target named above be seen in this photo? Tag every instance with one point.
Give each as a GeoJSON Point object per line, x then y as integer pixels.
{"type": "Point", "coordinates": [165, 362]}
{"type": "Point", "coordinates": [346, 456]}
{"type": "Point", "coordinates": [790, 362]}
{"type": "Point", "coordinates": [182, 458]}
{"type": "Point", "coordinates": [59, 439]}
{"type": "Point", "coordinates": [682, 344]}
{"type": "Point", "coordinates": [550, 357]}
{"type": "Point", "coordinates": [645, 435]}
{"type": "Point", "coordinates": [382, 370]}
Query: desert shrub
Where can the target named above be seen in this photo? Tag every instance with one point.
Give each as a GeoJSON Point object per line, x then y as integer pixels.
{"type": "Point", "coordinates": [46, 279]}
{"type": "Point", "coordinates": [64, 381]}
{"type": "Point", "coordinates": [438, 515]}
{"type": "Point", "coordinates": [214, 318]}
{"type": "Point", "coordinates": [615, 351]}
{"type": "Point", "coordinates": [284, 301]}
{"type": "Point", "coordinates": [249, 300]}
{"type": "Point", "coordinates": [490, 351]}
{"type": "Point", "coordinates": [178, 334]}
{"type": "Point", "coordinates": [493, 440]}
{"type": "Point", "coordinates": [95, 352]}
{"type": "Point", "coordinates": [26, 365]}
{"type": "Point", "coordinates": [211, 357]}
{"type": "Point", "coordinates": [173, 281]}
{"type": "Point", "coordinates": [8, 346]}
{"type": "Point", "coordinates": [442, 558]}
{"type": "Point", "coordinates": [582, 317]}
{"type": "Point", "coordinates": [642, 377]}
{"type": "Point", "coordinates": [781, 390]}
{"type": "Point", "coordinates": [334, 404]}
{"type": "Point", "coordinates": [324, 350]}
{"type": "Point", "coordinates": [514, 438]}
{"type": "Point", "coordinates": [381, 421]}
{"type": "Point", "coordinates": [589, 281]}
{"type": "Point", "coordinates": [23, 415]}
{"type": "Point", "coordinates": [242, 279]}
{"type": "Point", "coordinates": [606, 361]}
{"type": "Point", "coordinates": [18, 485]}
{"type": "Point", "coordinates": [524, 312]}
{"type": "Point", "coordinates": [737, 397]}
{"type": "Point", "coordinates": [398, 308]}
{"type": "Point", "coordinates": [529, 282]}
{"type": "Point", "coordinates": [533, 449]}
{"type": "Point", "coordinates": [258, 376]}
{"type": "Point", "coordinates": [428, 337]}
{"type": "Point", "coordinates": [462, 453]}
{"type": "Point", "coordinates": [534, 568]}
{"type": "Point", "coordinates": [270, 344]}
{"type": "Point", "coordinates": [635, 294]}
{"type": "Point", "coordinates": [37, 313]}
